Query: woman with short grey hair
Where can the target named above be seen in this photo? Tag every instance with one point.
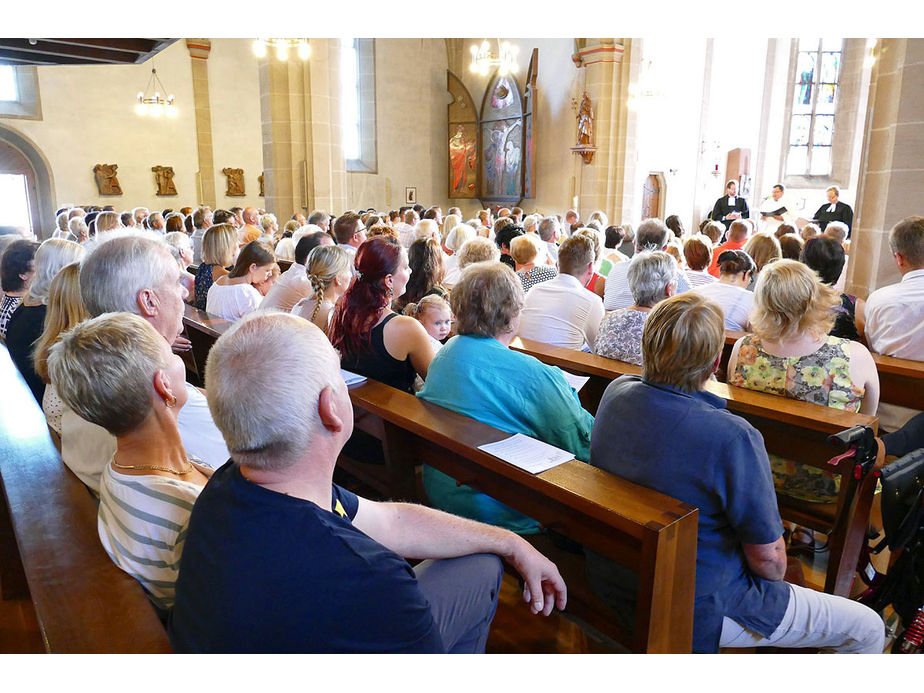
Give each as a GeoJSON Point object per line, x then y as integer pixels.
{"type": "Point", "coordinates": [477, 374]}
{"type": "Point", "coordinates": [652, 278]}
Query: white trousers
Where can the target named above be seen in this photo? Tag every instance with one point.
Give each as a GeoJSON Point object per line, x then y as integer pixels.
{"type": "Point", "coordinates": [816, 619]}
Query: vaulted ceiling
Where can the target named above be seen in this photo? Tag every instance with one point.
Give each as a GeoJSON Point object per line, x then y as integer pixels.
{"type": "Point", "coordinates": [79, 51]}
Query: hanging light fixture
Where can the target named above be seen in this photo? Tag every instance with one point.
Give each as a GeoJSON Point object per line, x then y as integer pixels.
{"type": "Point", "coordinates": [483, 59]}
{"type": "Point", "coordinates": [282, 46]}
{"type": "Point", "coordinates": [153, 104]}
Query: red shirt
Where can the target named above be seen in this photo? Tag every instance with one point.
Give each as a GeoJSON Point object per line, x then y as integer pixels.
{"type": "Point", "coordinates": [713, 269]}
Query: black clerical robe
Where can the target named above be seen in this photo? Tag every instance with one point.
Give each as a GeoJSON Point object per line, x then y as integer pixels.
{"type": "Point", "coordinates": [842, 212]}
{"type": "Point", "coordinates": [722, 207]}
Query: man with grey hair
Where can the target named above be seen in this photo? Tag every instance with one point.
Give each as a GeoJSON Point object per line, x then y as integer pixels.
{"type": "Point", "coordinates": [550, 233]}
{"type": "Point", "coordinates": [139, 214]}
{"type": "Point", "coordinates": [652, 234]}
{"type": "Point", "coordinates": [134, 272]}
{"type": "Point", "coordinates": [156, 222]}
{"type": "Point", "coordinates": [278, 558]}
{"type": "Point", "coordinates": [319, 218]}
{"type": "Point", "coordinates": [407, 233]}
{"type": "Point", "coordinates": [561, 311]}
{"type": "Point", "coordinates": [202, 222]}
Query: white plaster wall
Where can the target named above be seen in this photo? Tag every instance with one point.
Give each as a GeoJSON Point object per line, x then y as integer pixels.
{"type": "Point", "coordinates": [411, 100]}
{"type": "Point", "coordinates": [88, 118]}
{"type": "Point", "coordinates": [234, 99]}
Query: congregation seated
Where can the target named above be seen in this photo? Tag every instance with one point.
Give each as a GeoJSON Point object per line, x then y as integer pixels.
{"type": "Point", "coordinates": [736, 268]}
{"type": "Point", "coordinates": [597, 282]}
{"type": "Point", "coordinates": [328, 271]}
{"type": "Point", "coordinates": [717, 462]}
{"type": "Point", "coordinates": [613, 238]}
{"type": "Point", "coordinates": [280, 559]}
{"type": "Point", "coordinates": [455, 239]}
{"type": "Point", "coordinates": [763, 248]}
{"type": "Point", "coordinates": [233, 295]}
{"type": "Point", "coordinates": [293, 285]}
{"type": "Point", "coordinates": [285, 246]}
{"type": "Point", "coordinates": [425, 262]}
{"type": "Point", "coordinates": [826, 256]}
{"type": "Point", "coordinates": [651, 234]}
{"type": "Point", "coordinates": [561, 311]}
{"type": "Point", "coordinates": [118, 373]}
{"type": "Point", "coordinates": [65, 309]}
{"type": "Point", "coordinates": [477, 374]}
{"type": "Point", "coordinates": [219, 252]}
{"type": "Point", "coordinates": [791, 245]}
{"type": "Point", "coordinates": [478, 249]}
{"type": "Point", "coordinates": [17, 267]}
{"type": "Point", "coordinates": [792, 354]}
{"type": "Point", "coordinates": [134, 272]}
{"type": "Point", "coordinates": [652, 278]}
{"type": "Point", "coordinates": [405, 229]}
{"type": "Point", "coordinates": [373, 340]}
{"type": "Point", "coordinates": [529, 255]}
{"type": "Point", "coordinates": [349, 232]}
{"type": "Point", "coordinates": [264, 286]}
{"type": "Point", "coordinates": [28, 319]}
{"type": "Point", "coordinates": [738, 232]}
{"type": "Point", "coordinates": [505, 230]}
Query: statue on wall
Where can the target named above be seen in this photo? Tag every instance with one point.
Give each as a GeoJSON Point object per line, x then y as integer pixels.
{"type": "Point", "coordinates": [106, 179]}
{"type": "Point", "coordinates": [163, 175]}
{"type": "Point", "coordinates": [260, 181]}
{"type": "Point", "coordinates": [235, 178]}
{"type": "Point", "coordinates": [585, 129]}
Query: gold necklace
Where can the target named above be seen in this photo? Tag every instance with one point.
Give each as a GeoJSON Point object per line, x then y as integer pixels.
{"type": "Point", "coordinates": [154, 467]}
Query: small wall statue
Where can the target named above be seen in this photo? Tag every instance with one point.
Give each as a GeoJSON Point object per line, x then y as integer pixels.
{"type": "Point", "coordinates": [164, 177]}
{"type": "Point", "coordinates": [106, 179]}
{"type": "Point", "coordinates": [235, 178]}
{"type": "Point", "coordinates": [260, 181]}
{"type": "Point", "coordinates": [585, 128]}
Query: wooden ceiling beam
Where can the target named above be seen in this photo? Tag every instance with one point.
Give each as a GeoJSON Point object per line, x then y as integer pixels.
{"type": "Point", "coordinates": [138, 46]}
{"type": "Point", "coordinates": [46, 48]}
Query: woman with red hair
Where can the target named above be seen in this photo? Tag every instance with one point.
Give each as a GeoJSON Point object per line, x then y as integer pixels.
{"type": "Point", "coordinates": [372, 339]}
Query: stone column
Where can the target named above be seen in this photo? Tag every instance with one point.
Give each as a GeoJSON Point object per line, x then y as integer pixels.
{"type": "Point", "coordinates": [303, 160]}
{"type": "Point", "coordinates": [892, 169]}
{"type": "Point", "coordinates": [199, 53]}
{"type": "Point", "coordinates": [608, 182]}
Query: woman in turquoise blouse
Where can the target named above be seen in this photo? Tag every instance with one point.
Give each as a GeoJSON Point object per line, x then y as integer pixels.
{"type": "Point", "coordinates": [476, 374]}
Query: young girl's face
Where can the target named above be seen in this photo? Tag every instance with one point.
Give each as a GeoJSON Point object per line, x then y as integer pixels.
{"type": "Point", "coordinates": [437, 322]}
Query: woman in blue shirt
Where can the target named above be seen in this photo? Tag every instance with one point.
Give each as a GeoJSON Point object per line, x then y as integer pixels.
{"type": "Point", "coordinates": [476, 374]}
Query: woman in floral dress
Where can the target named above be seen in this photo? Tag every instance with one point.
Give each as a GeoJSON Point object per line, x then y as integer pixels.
{"type": "Point", "coordinates": [791, 354]}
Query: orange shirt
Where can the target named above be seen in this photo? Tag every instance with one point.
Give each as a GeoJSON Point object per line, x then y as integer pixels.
{"type": "Point", "coordinates": [713, 268]}
{"type": "Point", "coordinates": [251, 233]}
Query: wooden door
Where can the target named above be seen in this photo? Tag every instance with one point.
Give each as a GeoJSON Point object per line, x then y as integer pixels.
{"type": "Point", "coordinates": [651, 197]}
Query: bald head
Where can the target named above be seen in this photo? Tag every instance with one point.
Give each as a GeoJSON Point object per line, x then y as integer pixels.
{"type": "Point", "coordinates": [250, 216]}
{"type": "Point", "coordinates": [239, 385]}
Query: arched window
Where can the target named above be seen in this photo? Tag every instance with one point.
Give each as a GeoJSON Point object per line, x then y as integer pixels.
{"type": "Point", "coordinates": [19, 96]}
{"type": "Point", "coordinates": [357, 104]}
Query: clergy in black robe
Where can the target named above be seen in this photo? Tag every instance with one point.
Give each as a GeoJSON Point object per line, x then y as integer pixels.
{"type": "Point", "coordinates": [834, 210]}
{"type": "Point", "coordinates": [730, 207]}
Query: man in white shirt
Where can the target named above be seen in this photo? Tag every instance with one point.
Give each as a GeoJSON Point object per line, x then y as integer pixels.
{"type": "Point", "coordinates": [561, 311]}
{"type": "Point", "coordinates": [774, 211]}
{"type": "Point", "coordinates": [349, 232]}
{"type": "Point", "coordinates": [406, 231]}
{"type": "Point", "coordinates": [652, 234]}
{"type": "Point", "coordinates": [134, 272]}
{"type": "Point", "coordinates": [319, 218]}
{"type": "Point", "coordinates": [202, 222]}
{"type": "Point", "coordinates": [550, 233]}
{"type": "Point", "coordinates": [893, 318]}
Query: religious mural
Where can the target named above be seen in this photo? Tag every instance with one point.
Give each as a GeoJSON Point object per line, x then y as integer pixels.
{"type": "Point", "coordinates": [463, 141]}
{"type": "Point", "coordinates": [502, 141]}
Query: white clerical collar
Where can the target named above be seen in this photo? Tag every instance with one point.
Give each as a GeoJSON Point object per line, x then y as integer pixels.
{"type": "Point", "coordinates": [832, 207]}
{"type": "Point", "coordinates": [731, 199]}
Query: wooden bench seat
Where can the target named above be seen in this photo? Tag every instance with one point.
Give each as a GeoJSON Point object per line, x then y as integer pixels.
{"type": "Point", "coordinates": [49, 546]}
{"type": "Point", "coordinates": [791, 429]}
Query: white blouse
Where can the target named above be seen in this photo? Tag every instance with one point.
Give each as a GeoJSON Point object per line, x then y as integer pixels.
{"type": "Point", "coordinates": [232, 301]}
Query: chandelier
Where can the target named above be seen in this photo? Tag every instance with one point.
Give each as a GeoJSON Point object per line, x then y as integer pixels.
{"type": "Point", "coordinates": [505, 59]}
{"type": "Point", "coordinates": [281, 47]}
{"type": "Point", "coordinates": [154, 104]}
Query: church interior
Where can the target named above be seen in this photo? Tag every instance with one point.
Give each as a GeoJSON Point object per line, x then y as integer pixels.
{"type": "Point", "coordinates": [635, 128]}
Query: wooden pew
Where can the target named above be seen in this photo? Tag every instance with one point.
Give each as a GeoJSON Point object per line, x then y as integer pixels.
{"type": "Point", "coordinates": [638, 528]}
{"type": "Point", "coordinates": [901, 381]}
{"type": "Point", "coordinates": [49, 546]}
{"type": "Point", "coordinates": [791, 429]}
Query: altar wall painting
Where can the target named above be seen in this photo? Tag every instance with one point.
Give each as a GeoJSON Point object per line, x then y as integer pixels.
{"type": "Point", "coordinates": [491, 154]}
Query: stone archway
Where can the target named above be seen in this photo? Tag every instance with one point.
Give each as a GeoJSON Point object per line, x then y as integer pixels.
{"type": "Point", "coordinates": [20, 155]}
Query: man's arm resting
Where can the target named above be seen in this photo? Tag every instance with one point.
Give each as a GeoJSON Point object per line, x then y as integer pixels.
{"type": "Point", "coordinates": [767, 560]}
{"type": "Point", "coordinates": [416, 531]}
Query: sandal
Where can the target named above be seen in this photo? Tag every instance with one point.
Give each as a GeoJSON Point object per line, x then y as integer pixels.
{"type": "Point", "coordinates": [801, 541]}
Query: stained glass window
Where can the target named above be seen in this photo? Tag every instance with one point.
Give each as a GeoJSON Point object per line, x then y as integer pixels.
{"type": "Point", "coordinates": [814, 103]}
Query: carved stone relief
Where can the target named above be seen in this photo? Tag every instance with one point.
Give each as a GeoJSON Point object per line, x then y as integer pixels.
{"type": "Point", "coordinates": [106, 179]}
{"type": "Point", "coordinates": [235, 181]}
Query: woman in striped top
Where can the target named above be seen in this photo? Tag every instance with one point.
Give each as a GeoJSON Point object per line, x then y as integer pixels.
{"type": "Point", "coordinates": [116, 371]}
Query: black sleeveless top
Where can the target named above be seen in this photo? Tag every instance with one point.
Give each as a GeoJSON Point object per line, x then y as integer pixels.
{"type": "Point", "coordinates": [378, 364]}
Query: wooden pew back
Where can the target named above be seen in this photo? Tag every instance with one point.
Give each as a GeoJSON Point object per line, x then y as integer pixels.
{"type": "Point", "coordinates": [83, 602]}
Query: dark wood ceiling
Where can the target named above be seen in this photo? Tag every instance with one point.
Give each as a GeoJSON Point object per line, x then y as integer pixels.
{"type": "Point", "coordinates": [79, 51]}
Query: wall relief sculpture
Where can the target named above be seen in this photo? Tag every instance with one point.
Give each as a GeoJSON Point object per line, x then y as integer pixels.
{"type": "Point", "coordinates": [106, 179]}
{"type": "Point", "coordinates": [235, 181]}
{"type": "Point", "coordinates": [163, 176]}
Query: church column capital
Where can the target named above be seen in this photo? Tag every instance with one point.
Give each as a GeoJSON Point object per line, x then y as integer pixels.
{"type": "Point", "coordinates": [199, 47]}
{"type": "Point", "coordinates": [598, 53]}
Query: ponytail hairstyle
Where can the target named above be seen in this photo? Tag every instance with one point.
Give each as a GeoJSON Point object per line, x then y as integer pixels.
{"type": "Point", "coordinates": [359, 308]}
{"type": "Point", "coordinates": [428, 302]}
{"type": "Point", "coordinates": [324, 264]}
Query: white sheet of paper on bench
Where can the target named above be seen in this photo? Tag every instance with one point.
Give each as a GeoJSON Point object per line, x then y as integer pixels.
{"type": "Point", "coordinates": [575, 381]}
{"type": "Point", "coordinates": [527, 453]}
{"type": "Point", "coordinates": [351, 378]}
